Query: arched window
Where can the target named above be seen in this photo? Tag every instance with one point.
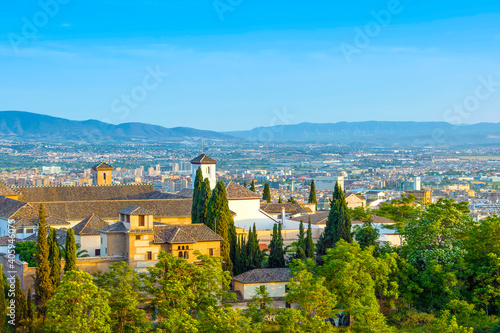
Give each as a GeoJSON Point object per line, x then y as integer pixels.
{"type": "Point", "coordinates": [183, 247]}
{"type": "Point", "coordinates": [187, 247]}
{"type": "Point", "coordinates": [180, 254]}
{"type": "Point", "coordinates": [104, 175]}
{"type": "Point", "coordinates": [208, 171]}
{"type": "Point", "coordinates": [186, 255]}
{"type": "Point", "coordinates": [178, 247]}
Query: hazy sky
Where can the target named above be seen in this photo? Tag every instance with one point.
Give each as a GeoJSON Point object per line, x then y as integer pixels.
{"type": "Point", "coordinates": [239, 64]}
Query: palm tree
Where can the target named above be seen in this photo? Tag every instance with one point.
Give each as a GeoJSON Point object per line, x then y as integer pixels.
{"type": "Point", "coordinates": [79, 254]}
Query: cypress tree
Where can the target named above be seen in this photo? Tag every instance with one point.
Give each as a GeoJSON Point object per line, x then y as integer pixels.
{"type": "Point", "coordinates": [3, 304]}
{"type": "Point", "coordinates": [245, 184]}
{"type": "Point", "coordinates": [267, 193]}
{"type": "Point", "coordinates": [21, 307]}
{"type": "Point", "coordinates": [252, 186]}
{"type": "Point", "coordinates": [43, 284]}
{"type": "Point", "coordinates": [29, 311]}
{"type": "Point", "coordinates": [253, 252]}
{"type": "Point", "coordinates": [338, 225]}
{"type": "Point", "coordinates": [54, 258]}
{"type": "Point", "coordinates": [312, 195]}
{"type": "Point", "coordinates": [309, 241]}
{"type": "Point", "coordinates": [219, 219]}
{"type": "Point", "coordinates": [276, 254]}
{"type": "Point", "coordinates": [280, 200]}
{"type": "Point", "coordinates": [239, 261]}
{"type": "Point", "coordinates": [301, 243]}
{"type": "Point", "coordinates": [70, 253]}
{"type": "Point", "coordinates": [203, 199]}
{"type": "Point", "coordinates": [197, 182]}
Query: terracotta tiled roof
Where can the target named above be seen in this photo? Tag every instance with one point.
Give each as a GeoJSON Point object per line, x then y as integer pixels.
{"type": "Point", "coordinates": [184, 233]}
{"type": "Point", "coordinates": [7, 190]}
{"type": "Point", "coordinates": [108, 209]}
{"type": "Point", "coordinates": [290, 208]}
{"type": "Point", "coordinates": [9, 208]}
{"type": "Point", "coordinates": [102, 166]}
{"type": "Point", "coordinates": [264, 275]}
{"type": "Point", "coordinates": [90, 193]}
{"type": "Point", "coordinates": [33, 222]}
{"type": "Point", "coordinates": [236, 191]}
{"type": "Point", "coordinates": [61, 235]}
{"type": "Point", "coordinates": [135, 210]}
{"type": "Point", "coordinates": [6, 240]}
{"type": "Point", "coordinates": [90, 226]}
{"type": "Point", "coordinates": [319, 217]}
{"type": "Point", "coordinates": [185, 193]}
{"type": "Point", "coordinates": [112, 228]}
{"type": "Point", "coordinates": [203, 159]}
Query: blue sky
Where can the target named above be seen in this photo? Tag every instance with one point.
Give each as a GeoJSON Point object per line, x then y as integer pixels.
{"type": "Point", "coordinates": [239, 64]}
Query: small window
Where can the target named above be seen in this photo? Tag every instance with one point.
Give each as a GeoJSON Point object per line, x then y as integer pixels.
{"type": "Point", "coordinates": [181, 255]}
{"type": "Point", "coordinates": [178, 247]}
{"type": "Point", "coordinates": [208, 171]}
{"type": "Point", "coordinates": [20, 231]}
{"type": "Point", "coordinates": [150, 255]}
{"type": "Point", "coordinates": [137, 237]}
{"type": "Point", "coordinates": [183, 247]}
{"type": "Point", "coordinates": [141, 221]}
{"type": "Point", "coordinates": [187, 247]}
{"type": "Point", "coordinates": [106, 250]}
{"type": "Point", "coordinates": [288, 305]}
{"type": "Point", "coordinates": [128, 218]}
{"type": "Point", "coordinates": [186, 255]}
{"type": "Point", "coordinates": [97, 252]}
{"type": "Point", "coordinates": [101, 240]}
{"type": "Point", "coordinates": [29, 231]}
{"type": "Point", "coordinates": [211, 252]}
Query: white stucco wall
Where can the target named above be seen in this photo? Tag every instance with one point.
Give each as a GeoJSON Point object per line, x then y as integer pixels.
{"type": "Point", "coordinates": [248, 212]}
{"type": "Point", "coordinates": [277, 289]}
{"type": "Point", "coordinates": [89, 243]}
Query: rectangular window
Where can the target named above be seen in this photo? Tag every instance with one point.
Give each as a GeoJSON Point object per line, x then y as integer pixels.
{"type": "Point", "coordinates": [20, 231]}
{"type": "Point", "coordinates": [101, 240]}
{"type": "Point", "coordinates": [211, 252]}
{"type": "Point", "coordinates": [106, 250]}
{"type": "Point", "coordinates": [141, 221]}
{"type": "Point", "coordinates": [97, 252]}
{"type": "Point", "coordinates": [128, 218]}
{"type": "Point", "coordinates": [137, 237]}
{"type": "Point", "coordinates": [149, 255]}
{"type": "Point", "coordinates": [29, 231]}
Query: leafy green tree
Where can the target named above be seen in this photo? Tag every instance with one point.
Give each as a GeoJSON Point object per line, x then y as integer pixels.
{"type": "Point", "coordinates": [54, 258]}
{"type": "Point", "coordinates": [260, 305]}
{"type": "Point", "coordinates": [122, 284]}
{"type": "Point", "coordinates": [309, 246]}
{"type": "Point", "coordinates": [222, 320]}
{"type": "Point", "coordinates": [312, 194]}
{"type": "Point", "coordinates": [78, 305]}
{"type": "Point", "coordinates": [292, 200]}
{"type": "Point", "coordinates": [301, 243]}
{"type": "Point", "coordinates": [70, 252]}
{"type": "Point", "coordinates": [266, 195]}
{"type": "Point", "coordinates": [27, 252]}
{"type": "Point", "coordinates": [308, 290]}
{"type": "Point", "coordinates": [79, 252]}
{"type": "Point", "coordinates": [219, 219]}
{"type": "Point", "coordinates": [203, 200]}
{"type": "Point", "coordinates": [276, 253]}
{"type": "Point", "coordinates": [3, 304]}
{"type": "Point", "coordinates": [197, 183]}
{"type": "Point", "coordinates": [252, 186]}
{"type": "Point", "coordinates": [43, 283]}
{"type": "Point", "coordinates": [338, 225]}
{"type": "Point", "coordinates": [21, 307]}
{"type": "Point", "coordinates": [352, 274]}
{"type": "Point", "coordinates": [399, 211]}
{"type": "Point", "coordinates": [366, 235]}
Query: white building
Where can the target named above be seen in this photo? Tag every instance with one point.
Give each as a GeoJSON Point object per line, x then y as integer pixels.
{"type": "Point", "coordinates": [207, 166]}
{"type": "Point", "coordinates": [328, 183]}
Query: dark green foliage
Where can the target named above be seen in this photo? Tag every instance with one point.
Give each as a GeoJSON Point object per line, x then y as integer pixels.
{"type": "Point", "coordinates": [245, 184]}
{"type": "Point", "coordinates": [3, 305]}
{"type": "Point", "coordinates": [252, 186]}
{"type": "Point", "coordinates": [367, 235]}
{"type": "Point", "coordinates": [203, 200]}
{"type": "Point", "coordinates": [43, 284]}
{"type": "Point", "coordinates": [54, 258]}
{"type": "Point", "coordinates": [280, 200]}
{"type": "Point", "coordinates": [301, 243]}
{"type": "Point", "coordinates": [248, 255]}
{"type": "Point", "coordinates": [29, 310]}
{"type": "Point", "coordinates": [266, 195]}
{"type": "Point", "coordinates": [219, 219]}
{"type": "Point", "coordinates": [21, 306]}
{"type": "Point", "coordinates": [312, 194]}
{"type": "Point", "coordinates": [292, 200]}
{"type": "Point", "coordinates": [309, 246]}
{"type": "Point", "coordinates": [197, 183]}
{"type": "Point", "coordinates": [70, 252]}
{"type": "Point", "coordinates": [277, 253]}
{"type": "Point", "coordinates": [338, 225]}
{"type": "Point", "coordinates": [27, 252]}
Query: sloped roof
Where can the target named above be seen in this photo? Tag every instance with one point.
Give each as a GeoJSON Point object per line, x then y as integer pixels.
{"type": "Point", "coordinates": [115, 227]}
{"type": "Point", "coordinates": [203, 159]}
{"type": "Point", "coordinates": [236, 191]}
{"type": "Point", "coordinates": [264, 275]}
{"type": "Point", "coordinates": [10, 207]}
{"type": "Point", "coordinates": [6, 240]}
{"type": "Point", "coordinates": [33, 222]}
{"type": "Point", "coordinates": [135, 210]}
{"type": "Point", "coordinates": [90, 193]}
{"type": "Point", "coordinates": [61, 235]}
{"type": "Point", "coordinates": [6, 190]}
{"type": "Point", "coordinates": [102, 166]}
{"type": "Point", "coordinates": [184, 233]}
{"type": "Point", "coordinates": [186, 193]}
{"type": "Point", "coordinates": [320, 217]}
{"type": "Point", "coordinates": [108, 209]}
{"type": "Point", "coordinates": [90, 226]}
{"type": "Point", "coordinates": [290, 208]}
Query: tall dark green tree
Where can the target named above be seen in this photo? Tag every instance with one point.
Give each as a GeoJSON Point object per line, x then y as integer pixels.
{"type": "Point", "coordinates": [338, 225]}
{"type": "Point", "coordinates": [197, 183]}
{"type": "Point", "coordinates": [3, 305]}
{"type": "Point", "coordinates": [43, 284]}
{"type": "Point", "coordinates": [280, 200]}
{"type": "Point", "coordinates": [240, 257]}
{"type": "Point", "coordinates": [54, 258]}
{"type": "Point", "coordinates": [277, 253]}
{"type": "Point", "coordinates": [245, 184]}
{"type": "Point", "coordinates": [312, 194]}
{"type": "Point", "coordinates": [254, 255]}
{"type": "Point", "coordinates": [301, 243]}
{"type": "Point", "coordinates": [219, 219]}
{"type": "Point", "coordinates": [203, 199]}
{"type": "Point", "coordinates": [252, 186]}
{"type": "Point", "coordinates": [29, 311]}
{"type": "Point", "coordinates": [309, 241]}
{"type": "Point", "coordinates": [70, 253]}
{"type": "Point", "coordinates": [20, 305]}
{"type": "Point", "coordinates": [266, 195]}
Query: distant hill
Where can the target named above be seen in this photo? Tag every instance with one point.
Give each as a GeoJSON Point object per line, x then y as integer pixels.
{"type": "Point", "coordinates": [379, 132]}
{"type": "Point", "coordinates": [32, 126]}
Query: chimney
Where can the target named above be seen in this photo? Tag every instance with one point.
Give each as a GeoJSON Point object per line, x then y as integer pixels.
{"type": "Point", "coordinates": [283, 217]}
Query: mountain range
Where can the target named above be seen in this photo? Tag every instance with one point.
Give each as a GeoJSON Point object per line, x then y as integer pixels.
{"type": "Point", "coordinates": [22, 125]}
